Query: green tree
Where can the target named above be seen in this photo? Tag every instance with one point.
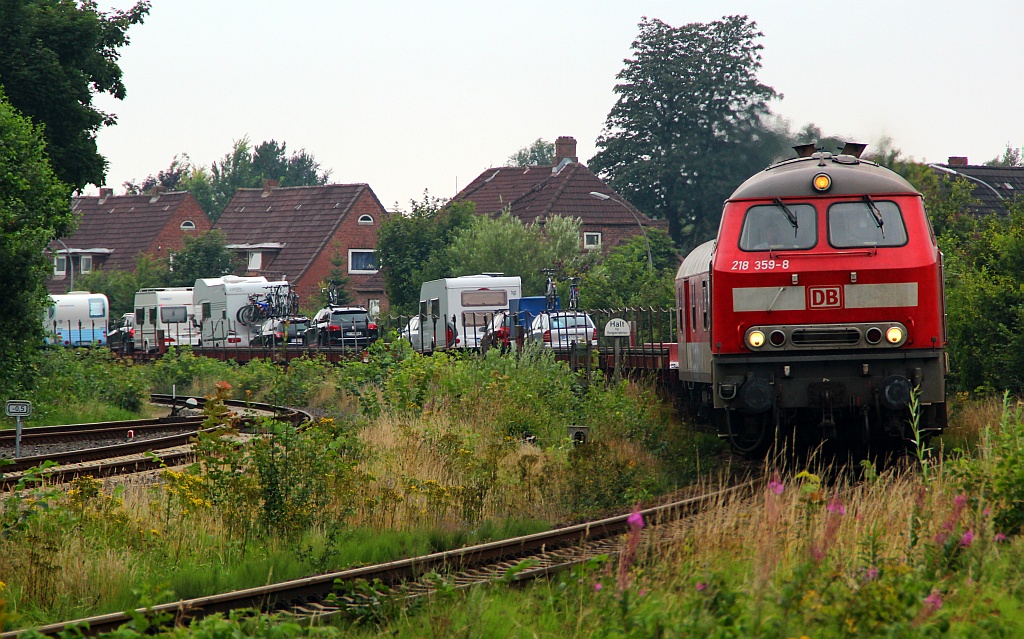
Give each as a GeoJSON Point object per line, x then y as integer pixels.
{"type": "Point", "coordinates": [35, 208]}
{"type": "Point", "coordinates": [506, 245]}
{"type": "Point", "coordinates": [203, 256]}
{"type": "Point", "coordinates": [1012, 156]}
{"type": "Point", "coordinates": [54, 56]}
{"type": "Point", "coordinates": [540, 153]}
{"type": "Point", "coordinates": [120, 286]}
{"type": "Point", "coordinates": [688, 125]}
{"type": "Point", "coordinates": [334, 289]}
{"type": "Point", "coordinates": [411, 247]}
{"type": "Point", "coordinates": [624, 279]}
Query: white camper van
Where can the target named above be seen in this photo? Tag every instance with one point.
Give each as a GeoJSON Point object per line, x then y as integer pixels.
{"type": "Point", "coordinates": [218, 302]}
{"type": "Point", "coordinates": [77, 319]}
{"type": "Point", "coordinates": [165, 309]}
{"type": "Point", "coordinates": [455, 311]}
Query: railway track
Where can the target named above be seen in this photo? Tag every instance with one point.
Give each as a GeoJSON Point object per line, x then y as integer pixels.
{"type": "Point", "coordinates": [532, 556]}
{"type": "Point", "coordinates": [127, 456]}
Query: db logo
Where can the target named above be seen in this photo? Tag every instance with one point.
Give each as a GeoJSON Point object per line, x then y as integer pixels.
{"type": "Point", "coordinates": [825, 297]}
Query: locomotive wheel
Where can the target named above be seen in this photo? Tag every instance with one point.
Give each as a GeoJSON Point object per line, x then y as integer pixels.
{"type": "Point", "coordinates": [750, 435]}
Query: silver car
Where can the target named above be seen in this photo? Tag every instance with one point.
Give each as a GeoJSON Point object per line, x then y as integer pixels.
{"type": "Point", "coordinates": [560, 329]}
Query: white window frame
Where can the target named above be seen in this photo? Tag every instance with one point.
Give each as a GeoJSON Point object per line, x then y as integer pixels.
{"type": "Point", "coordinates": [85, 264]}
{"type": "Point", "coordinates": [188, 225]}
{"type": "Point", "coordinates": [365, 219]}
{"type": "Point", "coordinates": [60, 265]}
{"type": "Point", "coordinates": [255, 257]}
{"type": "Point", "coordinates": [588, 235]}
{"type": "Point", "coordinates": [353, 271]}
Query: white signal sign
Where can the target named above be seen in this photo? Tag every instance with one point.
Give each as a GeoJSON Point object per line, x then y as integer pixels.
{"type": "Point", "coordinates": [616, 327]}
{"type": "Point", "coordinates": [18, 408]}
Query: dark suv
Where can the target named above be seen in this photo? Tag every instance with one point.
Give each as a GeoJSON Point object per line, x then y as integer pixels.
{"type": "Point", "coordinates": [282, 330]}
{"type": "Point", "coordinates": [349, 326]}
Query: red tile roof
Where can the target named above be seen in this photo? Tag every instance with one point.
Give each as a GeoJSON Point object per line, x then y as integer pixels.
{"type": "Point", "coordinates": [542, 191]}
{"type": "Point", "coordinates": [125, 224]}
{"type": "Point", "coordinates": [303, 219]}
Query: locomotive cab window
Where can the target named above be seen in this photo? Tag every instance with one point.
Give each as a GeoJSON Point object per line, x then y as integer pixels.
{"type": "Point", "coordinates": [768, 227]}
{"type": "Point", "coordinates": [865, 223]}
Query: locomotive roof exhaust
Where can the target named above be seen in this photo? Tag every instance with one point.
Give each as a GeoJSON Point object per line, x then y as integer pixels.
{"type": "Point", "coordinates": [849, 148]}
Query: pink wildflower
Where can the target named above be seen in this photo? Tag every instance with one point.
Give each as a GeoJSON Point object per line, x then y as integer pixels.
{"type": "Point", "coordinates": [776, 486]}
{"type": "Point", "coordinates": [1000, 537]}
{"type": "Point", "coordinates": [872, 573]}
{"type": "Point", "coordinates": [934, 600]}
{"type": "Point", "coordinates": [641, 593]}
{"type": "Point", "coordinates": [636, 520]}
{"type": "Point", "coordinates": [597, 587]}
{"type": "Point", "coordinates": [960, 500]}
{"type": "Point", "coordinates": [941, 537]}
{"type": "Point", "coordinates": [836, 506]}
{"type": "Point", "coordinates": [701, 586]}
{"type": "Point", "coordinates": [967, 539]}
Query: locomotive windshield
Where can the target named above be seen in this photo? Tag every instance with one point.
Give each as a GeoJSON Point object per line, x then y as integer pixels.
{"type": "Point", "coordinates": [770, 227]}
{"type": "Point", "coordinates": [865, 223]}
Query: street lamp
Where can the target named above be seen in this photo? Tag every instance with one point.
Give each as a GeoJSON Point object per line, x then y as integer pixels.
{"type": "Point", "coordinates": [604, 196]}
{"type": "Point", "coordinates": [70, 265]}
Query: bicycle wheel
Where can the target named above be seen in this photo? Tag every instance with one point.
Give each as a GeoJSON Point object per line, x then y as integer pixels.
{"type": "Point", "coordinates": [246, 315]}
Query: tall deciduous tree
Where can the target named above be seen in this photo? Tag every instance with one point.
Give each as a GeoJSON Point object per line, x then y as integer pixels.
{"type": "Point", "coordinates": [688, 125]}
{"type": "Point", "coordinates": [506, 245]}
{"type": "Point", "coordinates": [202, 256]}
{"type": "Point", "coordinates": [540, 153]}
{"type": "Point", "coordinates": [54, 56]}
{"type": "Point", "coordinates": [35, 207]}
{"type": "Point", "coordinates": [411, 247]}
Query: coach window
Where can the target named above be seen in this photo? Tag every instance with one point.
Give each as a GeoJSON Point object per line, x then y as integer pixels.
{"type": "Point", "coordinates": [769, 227]}
{"type": "Point", "coordinates": [705, 302]}
{"type": "Point", "coordinates": [865, 223]}
{"type": "Point", "coordinates": [693, 307]}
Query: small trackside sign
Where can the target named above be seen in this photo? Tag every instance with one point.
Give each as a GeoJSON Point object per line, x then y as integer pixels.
{"type": "Point", "coordinates": [18, 408]}
{"type": "Point", "coordinates": [616, 327]}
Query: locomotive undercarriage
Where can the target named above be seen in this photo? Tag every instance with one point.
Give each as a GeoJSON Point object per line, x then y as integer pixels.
{"type": "Point", "coordinates": [824, 396]}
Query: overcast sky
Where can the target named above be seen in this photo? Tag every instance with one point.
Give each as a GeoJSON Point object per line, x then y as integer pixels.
{"type": "Point", "coordinates": [410, 96]}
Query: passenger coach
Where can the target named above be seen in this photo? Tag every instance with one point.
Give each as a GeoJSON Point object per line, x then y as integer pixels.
{"type": "Point", "coordinates": [819, 308]}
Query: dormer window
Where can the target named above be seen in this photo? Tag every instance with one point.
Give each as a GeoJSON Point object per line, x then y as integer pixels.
{"type": "Point", "coordinates": [60, 265]}
{"type": "Point", "coordinates": [188, 225]}
{"type": "Point", "coordinates": [255, 260]}
{"type": "Point", "coordinates": [85, 262]}
{"type": "Point", "coordinates": [365, 219]}
{"type": "Point", "coordinates": [591, 241]}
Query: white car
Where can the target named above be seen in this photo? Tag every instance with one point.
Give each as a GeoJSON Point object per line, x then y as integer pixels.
{"type": "Point", "coordinates": [560, 329]}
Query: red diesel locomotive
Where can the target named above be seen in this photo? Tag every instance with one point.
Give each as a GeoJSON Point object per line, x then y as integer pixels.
{"type": "Point", "coordinates": [818, 309]}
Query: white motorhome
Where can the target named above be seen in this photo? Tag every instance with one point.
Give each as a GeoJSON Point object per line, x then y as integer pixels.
{"type": "Point", "coordinates": [218, 302]}
{"type": "Point", "coordinates": [169, 310]}
{"type": "Point", "coordinates": [77, 319]}
{"type": "Point", "coordinates": [455, 311]}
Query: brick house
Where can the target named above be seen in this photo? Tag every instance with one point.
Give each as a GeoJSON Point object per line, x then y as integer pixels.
{"type": "Point", "coordinates": [293, 233]}
{"type": "Point", "coordinates": [995, 187]}
{"type": "Point", "coordinates": [113, 231]}
{"type": "Point", "coordinates": [567, 188]}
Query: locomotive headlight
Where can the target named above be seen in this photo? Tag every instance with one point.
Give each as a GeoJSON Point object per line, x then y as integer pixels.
{"type": "Point", "coordinates": [755, 339]}
{"type": "Point", "coordinates": [894, 335]}
{"type": "Point", "coordinates": [822, 182]}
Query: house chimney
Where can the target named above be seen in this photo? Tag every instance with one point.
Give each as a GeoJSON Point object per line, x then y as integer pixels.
{"type": "Point", "coordinates": [268, 186]}
{"type": "Point", "coordinates": [105, 193]}
{"type": "Point", "coordinates": [155, 192]}
{"type": "Point", "coordinates": [957, 160]}
{"type": "Point", "coordinates": [565, 147]}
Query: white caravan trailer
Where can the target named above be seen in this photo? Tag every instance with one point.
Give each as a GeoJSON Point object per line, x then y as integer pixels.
{"type": "Point", "coordinates": [455, 311]}
{"type": "Point", "coordinates": [169, 310]}
{"type": "Point", "coordinates": [218, 301]}
{"type": "Point", "coordinates": [77, 319]}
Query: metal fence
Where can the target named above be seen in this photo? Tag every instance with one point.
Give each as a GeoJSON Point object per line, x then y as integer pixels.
{"type": "Point", "coordinates": [650, 343]}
